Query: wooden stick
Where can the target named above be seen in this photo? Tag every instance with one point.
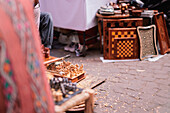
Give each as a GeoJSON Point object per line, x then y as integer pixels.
{"type": "Point", "coordinates": [99, 83]}
{"type": "Point", "coordinates": [56, 59]}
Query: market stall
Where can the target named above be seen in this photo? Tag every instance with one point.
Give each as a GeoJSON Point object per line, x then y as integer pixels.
{"type": "Point", "coordinates": [124, 37]}
{"type": "Point", "coordinates": [122, 40]}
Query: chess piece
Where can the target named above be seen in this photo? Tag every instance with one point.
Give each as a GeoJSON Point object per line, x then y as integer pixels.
{"type": "Point", "coordinates": [123, 8]}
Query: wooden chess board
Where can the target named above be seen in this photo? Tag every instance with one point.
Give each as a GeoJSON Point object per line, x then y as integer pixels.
{"type": "Point", "coordinates": [77, 78]}
{"type": "Point", "coordinates": [125, 49]}
{"type": "Point", "coordinates": [69, 95]}
{"type": "Point", "coordinates": [118, 33]}
{"type": "Point", "coordinates": [64, 69]}
{"type": "Point", "coordinates": [123, 44]}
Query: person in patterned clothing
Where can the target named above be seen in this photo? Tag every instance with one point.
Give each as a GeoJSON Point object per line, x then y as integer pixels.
{"type": "Point", "coordinates": [23, 84]}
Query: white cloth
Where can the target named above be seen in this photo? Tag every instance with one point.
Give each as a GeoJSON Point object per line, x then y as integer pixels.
{"type": "Point", "coordinates": [73, 14]}
{"type": "Point", "coordinates": [37, 15]}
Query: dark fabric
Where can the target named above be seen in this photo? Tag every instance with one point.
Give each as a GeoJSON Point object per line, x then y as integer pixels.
{"type": "Point", "coordinates": [46, 29]}
{"type": "Point", "coordinates": [161, 6]}
{"type": "Point", "coordinates": [36, 2]}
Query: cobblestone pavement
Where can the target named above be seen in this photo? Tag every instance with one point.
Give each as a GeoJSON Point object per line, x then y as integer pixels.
{"type": "Point", "coordinates": [132, 87]}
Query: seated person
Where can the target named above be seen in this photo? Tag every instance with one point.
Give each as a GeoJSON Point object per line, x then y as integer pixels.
{"type": "Point", "coordinates": [44, 24]}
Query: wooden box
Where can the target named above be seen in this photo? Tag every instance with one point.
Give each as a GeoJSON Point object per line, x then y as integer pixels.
{"type": "Point", "coordinates": [118, 24]}
{"type": "Point", "coordinates": [64, 69]}
{"type": "Point", "coordinates": [122, 44]}
{"type": "Point", "coordinates": [77, 78]}
{"type": "Point", "coordinates": [162, 33]}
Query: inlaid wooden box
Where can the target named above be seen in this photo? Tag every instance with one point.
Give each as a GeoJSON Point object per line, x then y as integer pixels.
{"type": "Point", "coordinates": [122, 25]}
{"type": "Point", "coordinates": [162, 33]}
{"type": "Point", "coordinates": [122, 44]}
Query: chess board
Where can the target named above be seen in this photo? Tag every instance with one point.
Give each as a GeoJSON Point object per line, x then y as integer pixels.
{"type": "Point", "coordinates": [123, 44]}
{"type": "Point", "coordinates": [120, 30]}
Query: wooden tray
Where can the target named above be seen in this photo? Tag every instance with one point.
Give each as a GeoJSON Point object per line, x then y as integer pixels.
{"type": "Point", "coordinates": [73, 79]}
{"type": "Point", "coordinates": [50, 58]}
{"type": "Point", "coordinates": [162, 33]}
{"type": "Point", "coordinates": [79, 90]}
{"type": "Point", "coordinates": [147, 39]}
{"type": "Point", "coordinates": [53, 59]}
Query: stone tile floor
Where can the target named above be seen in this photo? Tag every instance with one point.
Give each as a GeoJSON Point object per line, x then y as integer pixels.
{"type": "Point", "coordinates": [131, 87]}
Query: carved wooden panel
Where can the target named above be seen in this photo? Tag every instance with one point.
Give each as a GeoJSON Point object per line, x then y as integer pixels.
{"type": "Point", "coordinates": [124, 23]}
{"type": "Point", "coordinates": [162, 33]}
{"type": "Point", "coordinates": [122, 44]}
{"type": "Point", "coordinates": [147, 39]}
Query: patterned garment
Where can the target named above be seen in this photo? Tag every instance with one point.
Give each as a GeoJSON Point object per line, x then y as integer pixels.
{"type": "Point", "coordinates": [23, 85]}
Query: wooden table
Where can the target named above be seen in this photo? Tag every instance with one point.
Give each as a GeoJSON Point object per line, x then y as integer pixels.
{"type": "Point", "coordinates": [100, 18]}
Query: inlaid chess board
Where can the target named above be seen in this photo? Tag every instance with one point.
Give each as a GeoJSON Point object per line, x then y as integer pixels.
{"type": "Point", "coordinates": [124, 29]}
{"type": "Point", "coordinates": [123, 44]}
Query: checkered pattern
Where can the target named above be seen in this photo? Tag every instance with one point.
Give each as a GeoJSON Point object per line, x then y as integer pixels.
{"type": "Point", "coordinates": [123, 43]}
{"type": "Point", "coordinates": [124, 23]}
{"type": "Point", "coordinates": [125, 49]}
{"type": "Point", "coordinates": [123, 34]}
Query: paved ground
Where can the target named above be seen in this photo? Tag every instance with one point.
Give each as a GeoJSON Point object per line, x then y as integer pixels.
{"type": "Point", "coordinates": [132, 87]}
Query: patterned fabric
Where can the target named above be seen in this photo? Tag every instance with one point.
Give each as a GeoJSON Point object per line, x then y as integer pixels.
{"type": "Point", "coordinates": [7, 79]}
{"type": "Point", "coordinates": [23, 86]}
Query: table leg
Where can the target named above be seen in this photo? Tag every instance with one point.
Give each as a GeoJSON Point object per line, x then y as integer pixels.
{"type": "Point", "coordinates": [84, 44]}
{"type": "Point", "coordinates": [100, 33]}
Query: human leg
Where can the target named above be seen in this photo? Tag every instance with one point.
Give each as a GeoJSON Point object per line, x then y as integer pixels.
{"type": "Point", "coordinates": [46, 29]}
